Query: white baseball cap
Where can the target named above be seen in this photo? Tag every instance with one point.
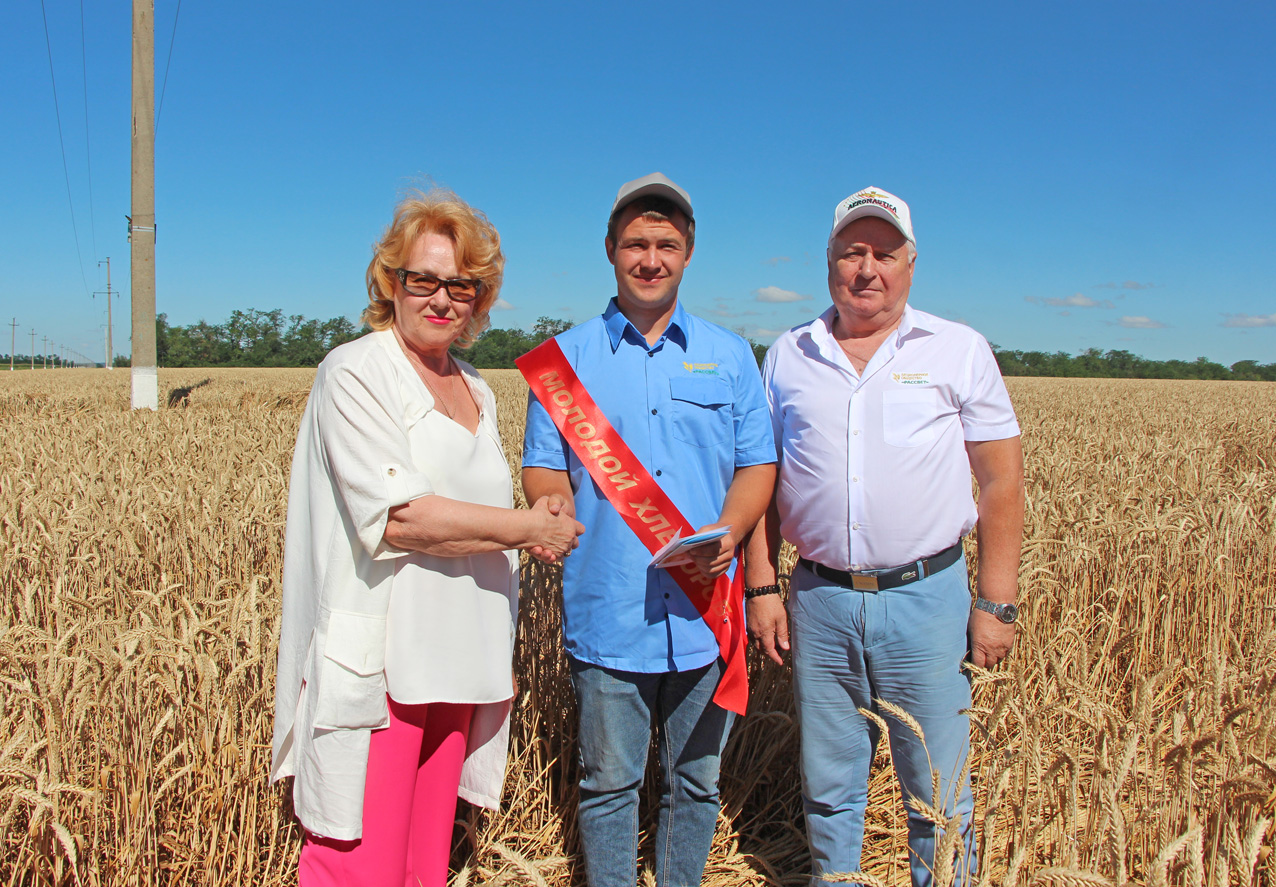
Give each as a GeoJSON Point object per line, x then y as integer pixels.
{"type": "Point", "coordinates": [877, 203]}
{"type": "Point", "coordinates": [656, 184]}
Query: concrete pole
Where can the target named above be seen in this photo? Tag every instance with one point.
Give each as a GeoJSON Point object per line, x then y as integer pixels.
{"type": "Point", "coordinates": [109, 342]}
{"type": "Point", "coordinates": [142, 235]}
{"type": "Point", "coordinates": [44, 356]}
{"type": "Point", "coordinates": [13, 338]}
{"type": "Point", "coordinates": [33, 349]}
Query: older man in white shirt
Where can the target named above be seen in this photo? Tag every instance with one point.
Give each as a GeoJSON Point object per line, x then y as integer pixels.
{"type": "Point", "coordinates": [881, 413]}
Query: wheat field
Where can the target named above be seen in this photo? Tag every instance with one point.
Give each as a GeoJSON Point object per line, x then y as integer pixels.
{"type": "Point", "coordinates": [1130, 738]}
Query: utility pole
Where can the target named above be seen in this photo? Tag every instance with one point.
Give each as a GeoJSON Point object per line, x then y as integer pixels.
{"type": "Point", "coordinates": [108, 311]}
{"type": "Point", "coordinates": [33, 349]}
{"type": "Point", "coordinates": [13, 338]}
{"type": "Point", "coordinates": [142, 233]}
{"type": "Point", "coordinates": [44, 356]}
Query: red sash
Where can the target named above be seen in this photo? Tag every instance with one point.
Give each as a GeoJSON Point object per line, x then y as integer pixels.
{"type": "Point", "coordinates": [651, 514]}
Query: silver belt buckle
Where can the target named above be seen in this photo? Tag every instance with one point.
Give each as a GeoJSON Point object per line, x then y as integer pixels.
{"type": "Point", "coordinates": [863, 583]}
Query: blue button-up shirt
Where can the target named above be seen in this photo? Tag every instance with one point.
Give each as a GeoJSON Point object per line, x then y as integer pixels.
{"type": "Point", "coordinates": [691, 408]}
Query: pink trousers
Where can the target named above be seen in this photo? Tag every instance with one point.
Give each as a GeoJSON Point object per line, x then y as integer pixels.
{"type": "Point", "coordinates": [409, 803]}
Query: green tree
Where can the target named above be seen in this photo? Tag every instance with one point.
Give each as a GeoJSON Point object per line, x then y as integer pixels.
{"type": "Point", "coordinates": [1205, 368]}
{"type": "Point", "coordinates": [548, 327]}
{"type": "Point", "coordinates": [1246, 371]}
{"type": "Point", "coordinates": [497, 348]}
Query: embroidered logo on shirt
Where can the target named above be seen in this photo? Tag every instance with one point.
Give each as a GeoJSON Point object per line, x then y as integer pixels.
{"type": "Point", "coordinates": [704, 369]}
{"type": "Point", "coordinates": [911, 378]}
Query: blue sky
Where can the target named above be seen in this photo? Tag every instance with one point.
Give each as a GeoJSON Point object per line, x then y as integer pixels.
{"type": "Point", "coordinates": [1080, 175]}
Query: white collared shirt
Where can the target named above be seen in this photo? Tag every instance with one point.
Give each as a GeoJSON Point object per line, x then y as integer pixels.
{"type": "Point", "coordinates": [873, 471]}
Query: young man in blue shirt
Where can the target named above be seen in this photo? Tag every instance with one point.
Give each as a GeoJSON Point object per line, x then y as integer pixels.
{"type": "Point", "coordinates": [686, 397]}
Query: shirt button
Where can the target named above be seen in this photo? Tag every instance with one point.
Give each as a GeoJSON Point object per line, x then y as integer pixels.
{"type": "Point", "coordinates": [658, 475]}
{"type": "Point", "coordinates": [653, 412]}
{"type": "Point", "coordinates": [854, 479]}
{"type": "Point", "coordinates": [855, 526]}
{"type": "Point", "coordinates": [391, 472]}
{"type": "Point", "coordinates": [856, 431]}
{"type": "Point", "coordinates": [666, 595]}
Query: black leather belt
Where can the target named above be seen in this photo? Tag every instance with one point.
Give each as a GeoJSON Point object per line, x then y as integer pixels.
{"type": "Point", "coordinates": [891, 577]}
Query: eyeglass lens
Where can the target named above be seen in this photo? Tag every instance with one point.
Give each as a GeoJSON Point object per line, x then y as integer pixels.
{"type": "Point", "coordinates": [422, 283]}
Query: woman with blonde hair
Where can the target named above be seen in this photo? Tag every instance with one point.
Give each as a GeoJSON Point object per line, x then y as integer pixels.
{"type": "Point", "coordinates": [400, 585]}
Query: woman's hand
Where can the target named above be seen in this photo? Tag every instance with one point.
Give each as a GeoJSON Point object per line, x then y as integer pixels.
{"type": "Point", "coordinates": [555, 530]}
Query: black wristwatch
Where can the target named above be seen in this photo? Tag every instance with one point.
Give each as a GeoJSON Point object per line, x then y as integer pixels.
{"type": "Point", "coordinates": [1007, 613]}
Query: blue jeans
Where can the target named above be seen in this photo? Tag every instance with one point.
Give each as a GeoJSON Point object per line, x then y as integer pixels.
{"type": "Point", "coordinates": [616, 713]}
{"type": "Point", "coordinates": [904, 646]}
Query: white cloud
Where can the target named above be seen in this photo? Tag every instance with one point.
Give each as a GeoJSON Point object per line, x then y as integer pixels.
{"type": "Point", "coordinates": [1124, 285]}
{"type": "Point", "coordinates": [501, 305]}
{"type": "Point", "coordinates": [1138, 322]}
{"type": "Point", "coordinates": [1032, 300]}
{"type": "Point", "coordinates": [775, 260]}
{"type": "Point", "coordinates": [729, 314]}
{"type": "Point", "coordinates": [757, 333]}
{"type": "Point", "coordinates": [775, 294]}
{"type": "Point", "coordinates": [1078, 300]}
{"type": "Point", "coordinates": [1246, 321]}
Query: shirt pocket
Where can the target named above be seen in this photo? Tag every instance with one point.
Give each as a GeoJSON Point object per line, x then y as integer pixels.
{"type": "Point", "coordinates": [909, 417]}
{"type": "Point", "coordinates": [701, 410]}
{"type": "Point", "coordinates": [351, 685]}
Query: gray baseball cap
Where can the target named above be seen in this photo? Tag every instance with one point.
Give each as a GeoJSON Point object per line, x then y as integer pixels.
{"type": "Point", "coordinates": [656, 184]}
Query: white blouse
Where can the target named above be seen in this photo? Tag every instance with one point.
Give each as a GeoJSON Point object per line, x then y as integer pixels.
{"type": "Point", "coordinates": [370, 440]}
{"type": "Point", "coordinates": [452, 619]}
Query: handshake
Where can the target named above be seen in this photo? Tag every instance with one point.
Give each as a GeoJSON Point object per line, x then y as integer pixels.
{"type": "Point", "coordinates": [556, 532]}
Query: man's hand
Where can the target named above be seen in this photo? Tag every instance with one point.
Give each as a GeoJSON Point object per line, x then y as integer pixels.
{"type": "Point", "coordinates": [554, 487]}
{"type": "Point", "coordinates": [990, 638]}
{"type": "Point", "coordinates": [562, 530]}
{"type": "Point", "coordinates": [747, 498]}
{"type": "Point", "coordinates": [768, 625]}
{"type": "Point", "coordinates": [712, 558]}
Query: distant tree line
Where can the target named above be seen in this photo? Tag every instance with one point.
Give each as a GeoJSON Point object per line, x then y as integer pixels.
{"type": "Point", "coordinates": [251, 339]}
{"type": "Point", "coordinates": [23, 361]}
{"type": "Point", "coordinates": [269, 339]}
{"type": "Point", "coordinates": [1094, 363]}
{"type": "Point", "coordinates": [496, 348]}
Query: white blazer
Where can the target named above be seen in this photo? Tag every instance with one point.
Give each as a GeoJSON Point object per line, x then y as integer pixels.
{"type": "Point", "coordinates": [351, 465]}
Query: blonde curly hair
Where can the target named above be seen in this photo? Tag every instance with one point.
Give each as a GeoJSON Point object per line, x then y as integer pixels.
{"type": "Point", "coordinates": [474, 238]}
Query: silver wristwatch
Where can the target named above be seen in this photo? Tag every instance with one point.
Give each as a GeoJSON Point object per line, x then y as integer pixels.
{"type": "Point", "coordinates": [1007, 613]}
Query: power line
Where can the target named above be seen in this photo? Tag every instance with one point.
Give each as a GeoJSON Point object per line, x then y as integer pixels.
{"type": "Point", "coordinates": [88, 155]}
{"type": "Point", "coordinates": [62, 144]}
{"type": "Point", "coordinates": [171, 40]}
